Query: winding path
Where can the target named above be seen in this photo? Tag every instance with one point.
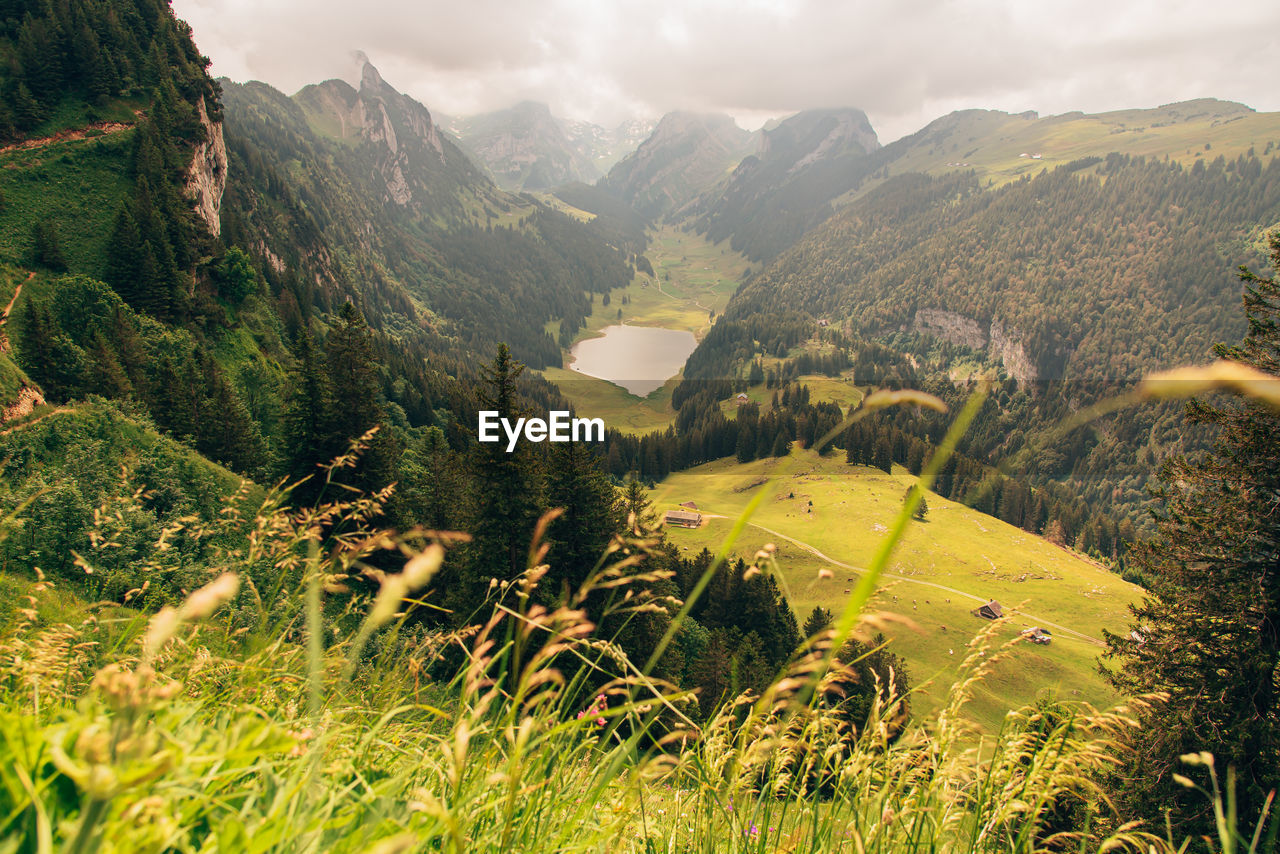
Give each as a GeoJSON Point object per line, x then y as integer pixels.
{"type": "Point", "coordinates": [953, 591]}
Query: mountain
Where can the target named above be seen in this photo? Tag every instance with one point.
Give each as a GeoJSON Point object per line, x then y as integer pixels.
{"type": "Point", "coordinates": [392, 214]}
{"type": "Point", "coordinates": [1074, 284]}
{"type": "Point", "coordinates": [686, 154]}
{"type": "Point", "coordinates": [777, 194]}
{"type": "Point", "coordinates": [605, 147]}
{"type": "Point", "coordinates": [420, 168]}
{"type": "Point", "coordinates": [1000, 147]}
{"type": "Point", "coordinates": [527, 148]}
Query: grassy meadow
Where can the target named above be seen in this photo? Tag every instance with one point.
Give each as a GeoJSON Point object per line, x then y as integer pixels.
{"type": "Point", "coordinates": [827, 519]}
{"type": "Point", "coordinates": [274, 710]}
{"type": "Point", "coordinates": [74, 185]}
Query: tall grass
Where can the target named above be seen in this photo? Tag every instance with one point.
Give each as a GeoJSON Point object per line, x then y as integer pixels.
{"type": "Point", "coordinates": [278, 708]}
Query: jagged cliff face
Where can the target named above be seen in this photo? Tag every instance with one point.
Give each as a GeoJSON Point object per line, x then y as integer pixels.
{"type": "Point", "coordinates": [1003, 342]}
{"type": "Point", "coordinates": [207, 174]}
{"type": "Point", "coordinates": [414, 161]}
{"type": "Point", "coordinates": [686, 154]}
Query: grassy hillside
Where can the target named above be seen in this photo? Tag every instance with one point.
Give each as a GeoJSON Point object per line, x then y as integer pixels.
{"type": "Point", "coordinates": [825, 515]}
{"type": "Point", "coordinates": [1002, 147]}
{"type": "Point", "coordinates": [74, 185]}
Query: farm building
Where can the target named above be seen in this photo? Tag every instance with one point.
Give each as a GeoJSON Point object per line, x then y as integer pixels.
{"type": "Point", "coordinates": [1035, 634]}
{"type": "Point", "coordinates": [742, 397]}
{"type": "Point", "coordinates": [989, 611]}
{"type": "Point", "coordinates": [690, 505]}
{"type": "Point", "coordinates": [683, 519]}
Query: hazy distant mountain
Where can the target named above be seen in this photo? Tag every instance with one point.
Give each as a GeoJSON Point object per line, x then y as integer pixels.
{"type": "Point", "coordinates": [686, 154]}
{"type": "Point", "coordinates": [606, 147]}
{"type": "Point", "coordinates": [777, 194]}
{"type": "Point", "coordinates": [525, 147]}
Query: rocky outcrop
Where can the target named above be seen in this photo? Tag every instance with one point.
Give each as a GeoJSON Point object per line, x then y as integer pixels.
{"type": "Point", "coordinates": [29, 397]}
{"type": "Point", "coordinates": [414, 160]}
{"type": "Point", "coordinates": [1007, 343]}
{"type": "Point", "coordinates": [1002, 342]}
{"type": "Point", "coordinates": [817, 135]}
{"type": "Point", "coordinates": [207, 174]}
{"type": "Point", "coordinates": [949, 326]}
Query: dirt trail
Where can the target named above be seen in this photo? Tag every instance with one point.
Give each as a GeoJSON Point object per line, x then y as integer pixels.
{"type": "Point", "coordinates": [52, 412]}
{"type": "Point", "coordinates": [953, 591]}
{"type": "Point", "coordinates": [4, 318]}
{"type": "Point", "coordinates": [67, 136]}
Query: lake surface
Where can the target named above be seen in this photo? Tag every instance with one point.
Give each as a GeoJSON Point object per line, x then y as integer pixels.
{"type": "Point", "coordinates": [638, 358]}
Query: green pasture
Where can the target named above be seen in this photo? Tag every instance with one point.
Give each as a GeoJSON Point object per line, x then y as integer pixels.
{"type": "Point", "coordinates": [946, 566]}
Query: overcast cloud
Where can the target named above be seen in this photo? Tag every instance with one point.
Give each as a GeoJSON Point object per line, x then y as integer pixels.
{"type": "Point", "coordinates": [905, 62]}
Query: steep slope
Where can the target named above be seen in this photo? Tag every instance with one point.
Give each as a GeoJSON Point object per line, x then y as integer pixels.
{"type": "Point", "coordinates": [420, 169]}
{"type": "Point", "coordinates": [526, 148]}
{"type": "Point", "coordinates": [391, 213]}
{"type": "Point", "coordinates": [686, 154]}
{"type": "Point", "coordinates": [777, 194]}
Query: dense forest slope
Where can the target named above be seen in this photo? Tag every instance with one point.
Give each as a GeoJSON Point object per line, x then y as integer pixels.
{"type": "Point", "coordinates": [1074, 283]}
{"type": "Point", "coordinates": [432, 242]}
{"type": "Point", "coordinates": [1096, 271]}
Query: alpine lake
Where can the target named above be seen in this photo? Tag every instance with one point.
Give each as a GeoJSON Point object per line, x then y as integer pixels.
{"type": "Point", "coordinates": [637, 358]}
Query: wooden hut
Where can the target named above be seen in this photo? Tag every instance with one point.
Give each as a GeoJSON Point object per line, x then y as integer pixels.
{"type": "Point", "coordinates": [989, 611]}
{"type": "Point", "coordinates": [683, 519]}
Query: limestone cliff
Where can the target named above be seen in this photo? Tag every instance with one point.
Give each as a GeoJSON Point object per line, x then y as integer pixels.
{"type": "Point", "coordinates": [207, 174]}
{"type": "Point", "coordinates": [416, 165]}
{"type": "Point", "coordinates": [1002, 342]}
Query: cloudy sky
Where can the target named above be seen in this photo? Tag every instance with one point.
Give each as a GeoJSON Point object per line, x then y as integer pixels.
{"type": "Point", "coordinates": [905, 62]}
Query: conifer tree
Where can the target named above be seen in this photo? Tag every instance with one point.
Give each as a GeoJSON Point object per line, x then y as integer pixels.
{"type": "Point", "coordinates": [308, 426]}
{"type": "Point", "coordinates": [46, 249]}
{"type": "Point", "coordinates": [508, 485]}
{"type": "Point", "coordinates": [1208, 633]}
{"type": "Point", "coordinates": [592, 512]}
{"type": "Point", "coordinates": [124, 256]}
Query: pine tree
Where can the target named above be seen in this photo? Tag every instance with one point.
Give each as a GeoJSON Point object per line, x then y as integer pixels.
{"type": "Point", "coordinates": [1208, 632]}
{"type": "Point", "coordinates": [46, 248]}
{"type": "Point", "coordinates": [124, 256]}
{"type": "Point", "coordinates": [308, 419]}
{"type": "Point", "coordinates": [508, 487]}
{"type": "Point", "coordinates": [636, 505]}
{"type": "Point", "coordinates": [353, 374]}
{"type": "Point", "coordinates": [818, 620]}
{"type": "Point", "coordinates": [592, 512]}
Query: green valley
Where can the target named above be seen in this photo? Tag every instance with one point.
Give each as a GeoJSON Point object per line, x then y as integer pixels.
{"type": "Point", "coordinates": [270, 581]}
